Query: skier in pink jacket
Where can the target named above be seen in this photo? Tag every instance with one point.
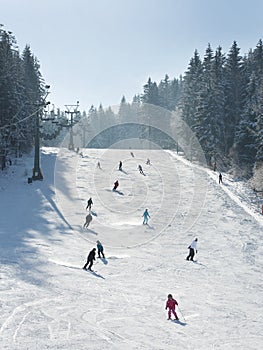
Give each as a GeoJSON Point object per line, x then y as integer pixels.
{"type": "Point", "coordinates": [170, 305]}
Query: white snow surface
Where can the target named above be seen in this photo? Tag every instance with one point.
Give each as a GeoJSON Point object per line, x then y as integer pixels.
{"type": "Point", "coordinates": [49, 302]}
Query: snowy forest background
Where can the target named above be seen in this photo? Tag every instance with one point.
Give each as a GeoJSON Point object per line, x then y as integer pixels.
{"type": "Point", "coordinates": [220, 97]}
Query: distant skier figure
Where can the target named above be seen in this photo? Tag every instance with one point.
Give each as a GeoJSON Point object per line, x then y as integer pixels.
{"type": "Point", "coordinates": [90, 259]}
{"type": "Point", "coordinates": [132, 154]}
{"type": "Point", "coordinates": [170, 305]}
{"type": "Point", "coordinates": [100, 250]}
{"type": "Point", "coordinates": [192, 250]}
{"type": "Point", "coordinates": [140, 169]}
{"type": "Point", "coordinates": [148, 162]}
{"type": "Point", "coordinates": [220, 178]}
{"type": "Point", "coordinates": [146, 216]}
{"type": "Point", "coordinates": [88, 221]}
{"type": "Point", "coordinates": [116, 184]}
{"type": "Point", "coordinates": [120, 165]}
{"type": "Point", "coordinates": [214, 166]}
{"type": "Point", "coordinates": [89, 204]}
{"type": "Point", "coordinates": [98, 165]}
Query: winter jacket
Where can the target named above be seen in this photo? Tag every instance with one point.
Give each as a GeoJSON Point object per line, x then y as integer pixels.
{"type": "Point", "coordinates": [193, 245]}
{"type": "Point", "coordinates": [91, 255]}
{"type": "Point", "coordinates": [170, 304]}
{"type": "Point", "coordinates": [88, 218]}
{"type": "Point", "coordinates": [100, 247]}
{"type": "Point", "coordinates": [146, 214]}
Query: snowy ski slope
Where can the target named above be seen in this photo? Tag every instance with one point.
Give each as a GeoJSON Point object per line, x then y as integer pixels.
{"type": "Point", "coordinates": [49, 302]}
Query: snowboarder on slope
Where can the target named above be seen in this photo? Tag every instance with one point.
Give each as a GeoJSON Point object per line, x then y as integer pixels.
{"type": "Point", "coordinates": [132, 154]}
{"type": "Point", "coordinates": [146, 216]}
{"type": "Point", "coordinates": [89, 204]}
{"type": "Point", "coordinates": [100, 250]}
{"type": "Point", "coordinates": [116, 184]}
{"type": "Point", "coordinates": [90, 259]}
{"type": "Point", "coordinates": [170, 305]}
{"type": "Point", "coordinates": [120, 165]}
{"type": "Point", "coordinates": [98, 165]}
{"type": "Point", "coordinates": [88, 221]}
{"type": "Point", "coordinates": [220, 178]}
{"type": "Point", "coordinates": [192, 250]}
{"type": "Point", "coordinates": [148, 162]}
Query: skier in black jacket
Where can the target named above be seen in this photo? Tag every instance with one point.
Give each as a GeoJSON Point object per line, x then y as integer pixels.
{"type": "Point", "coordinates": [90, 259]}
{"type": "Point", "coordinates": [89, 204]}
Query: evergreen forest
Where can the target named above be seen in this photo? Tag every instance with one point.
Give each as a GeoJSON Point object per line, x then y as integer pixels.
{"type": "Point", "coordinates": [220, 98]}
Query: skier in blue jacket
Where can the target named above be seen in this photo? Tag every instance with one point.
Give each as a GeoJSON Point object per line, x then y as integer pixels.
{"type": "Point", "coordinates": [146, 216]}
{"type": "Point", "coordinates": [100, 249]}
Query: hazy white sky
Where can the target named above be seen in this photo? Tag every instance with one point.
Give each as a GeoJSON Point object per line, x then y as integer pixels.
{"type": "Point", "coordinates": [95, 51]}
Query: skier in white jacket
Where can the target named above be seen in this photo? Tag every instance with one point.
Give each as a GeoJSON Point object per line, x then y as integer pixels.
{"type": "Point", "coordinates": [192, 250]}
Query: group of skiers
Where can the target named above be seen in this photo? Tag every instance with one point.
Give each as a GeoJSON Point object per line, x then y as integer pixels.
{"type": "Point", "coordinates": [89, 216]}
{"type": "Point", "coordinates": [116, 183]}
{"type": "Point", "coordinates": [91, 256]}
{"type": "Point", "coordinates": [171, 303]}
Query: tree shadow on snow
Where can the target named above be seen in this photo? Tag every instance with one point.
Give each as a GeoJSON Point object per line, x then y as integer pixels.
{"type": "Point", "coordinates": [92, 231]}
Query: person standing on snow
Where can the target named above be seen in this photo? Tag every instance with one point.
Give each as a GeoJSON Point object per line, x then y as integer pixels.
{"type": "Point", "coordinates": [146, 216]}
{"type": "Point", "coordinates": [88, 221]}
{"type": "Point", "coordinates": [140, 169]}
{"type": "Point", "coordinates": [220, 178]}
{"type": "Point", "coordinates": [192, 250]}
{"type": "Point", "coordinates": [170, 305]}
{"type": "Point", "coordinates": [116, 184]}
{"type": "Point", "coordinates": [120, 165]}
{"type": "Point", "coordinates": [89, 204]}
{"type": "Point", "coordinates": [100, 250]}
{"type": "Point", "coordinates": [90, 259]}
{"type": "Point", "coordinates": [214, 166]}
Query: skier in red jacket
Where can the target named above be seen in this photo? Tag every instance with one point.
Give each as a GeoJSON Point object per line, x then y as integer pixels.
{"type": "Point", "coordinates": [170, 305]}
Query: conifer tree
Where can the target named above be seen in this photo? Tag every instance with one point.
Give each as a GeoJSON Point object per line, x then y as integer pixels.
{"type": "Point", "coordinates": [234, 90]}
{"type": "Point", "coordinates": [246, 135]}
{"type": "Point", "coordinates": [150, 93]}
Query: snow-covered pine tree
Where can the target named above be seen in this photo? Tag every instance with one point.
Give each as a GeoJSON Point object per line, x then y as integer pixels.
{"type": "Point", "coordinates": [176, 90]}
{"type": "Point", "coordinates": [164, 92]}
{"type": "Point", "coordinates": [191, 92]}
{"type": "Point", "coordinates": [150, 93]}
{"type": "Point", "coordinates": [33, 90]}
{"type": "Point", "coordinates": [11, 90]}
{"type": "Point", "coordinates": [234, 92]}
{"type": "Point", "coordinates": [245, 136]}
{"type": "Point", "coordinates": [204, 117]}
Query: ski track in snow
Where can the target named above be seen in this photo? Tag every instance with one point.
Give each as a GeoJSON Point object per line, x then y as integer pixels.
{"type": "Point", "coordinates": [48, 301]}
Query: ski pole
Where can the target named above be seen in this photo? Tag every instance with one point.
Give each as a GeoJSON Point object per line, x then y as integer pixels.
{"type": "Point", "coordinates": [181, 313]}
